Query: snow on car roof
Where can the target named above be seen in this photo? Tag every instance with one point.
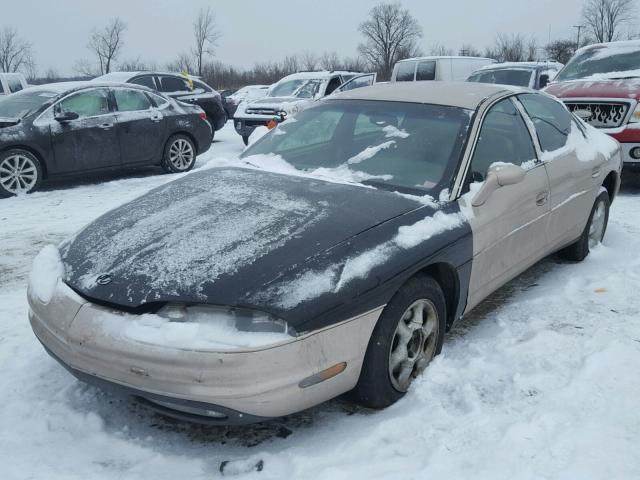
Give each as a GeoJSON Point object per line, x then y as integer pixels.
{"type": "Point", "coordinates": [527, 65]}
{"type": "Point", "coordinates": [456, 94]}
{"type": "Point", "coordinates": [320, 75]}
{"type": "Point", "coordinates": [63, 87]}
{"type": "Point", "coordinates": [612, 48]}
{"type": "Point", "coordinates": [444, 57]}
{"type": "Point", "coordinates": [125, 76]}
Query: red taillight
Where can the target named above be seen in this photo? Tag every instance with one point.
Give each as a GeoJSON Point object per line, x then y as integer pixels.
{"type": "Point", "coordinates": [203, 115]}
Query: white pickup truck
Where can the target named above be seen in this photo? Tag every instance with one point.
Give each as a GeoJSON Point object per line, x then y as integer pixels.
{"type": "Point", "coordinates": [12, 83]}
{"type": "Point", "coordinates": [290, 95]}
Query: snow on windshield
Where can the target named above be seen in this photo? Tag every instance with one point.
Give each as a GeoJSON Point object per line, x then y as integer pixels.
{"type": "Point", "coordinates": [616, 60]}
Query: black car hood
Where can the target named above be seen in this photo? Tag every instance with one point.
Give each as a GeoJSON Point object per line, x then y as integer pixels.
{"type": "Point", "coordinates": [219, 236]}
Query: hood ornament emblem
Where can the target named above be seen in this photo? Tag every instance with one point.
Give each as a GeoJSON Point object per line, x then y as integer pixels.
{"type": "Point", "coordinates": [104, 279]}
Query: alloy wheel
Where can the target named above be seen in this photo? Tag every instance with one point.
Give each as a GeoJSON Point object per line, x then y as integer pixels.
{"type": "Point", "coordinates": [18, 174]}
{"type": "Point", "coordinates": [414, 343]}
{"type": "Point", "coordinates": [181, 154]}
{"type": "Point", "coordinates": [596, 229]}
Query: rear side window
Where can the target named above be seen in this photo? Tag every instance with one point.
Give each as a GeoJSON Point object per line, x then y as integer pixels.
{"type": "Point", "coordinates": [158, 100]}
{"type": "Point", "coordinates": [426, 71]}
{"type": "Point", "coordinates": [406, 72]}
{"type": "Point", "coordinates": [14, 84]}
{"type": "Point", "coordinates": [131, 100]}
{"type": "Point", "coordinates": [551, 119]}
{"type": "Point", "coordinates": [174, 84]}
{"type": "Point", "coordinates": [145, 80]}
{"type": "Point", "coordinates": [504, 137]}
{"type": "Point", "coordinates": [87, 104]}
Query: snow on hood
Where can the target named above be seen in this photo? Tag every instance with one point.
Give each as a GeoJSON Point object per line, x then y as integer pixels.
{"type": "Point", "coordinates": [246, 226]}
{"type": "Point", "coordinates": [614, 87]}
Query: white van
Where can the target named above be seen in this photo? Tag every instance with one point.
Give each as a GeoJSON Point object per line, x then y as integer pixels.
{"type": "Point", "coordinates": [12, 83]}
{"type": "Point", "coordinates": [437, 68]}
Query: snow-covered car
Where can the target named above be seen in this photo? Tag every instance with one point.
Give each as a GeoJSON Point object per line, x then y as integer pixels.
{"type": "Point", "coordinates": [290, 95]}
{"type": "Point", "coordinates": [12, 83]}
{"type": "Point", "coordinates": [601, 84]}
{"type": "Point", "coordinates": [73, 127]}
{"type": "Point", "coordinates": [245, 94]}
{"type": "Point", "coordinates": [536, 75]}
{"type": "Point", "coordinates": [333, 258]}
{"type": "Point", "coordinates": [185, 88]}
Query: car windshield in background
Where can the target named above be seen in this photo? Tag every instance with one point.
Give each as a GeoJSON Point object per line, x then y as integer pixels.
{"type": "Point", "coordinates": [393, 145]}
{"type": "Point", "coordinates": [23, 103]}
{"type": "Point", "coordinates": [610, 61]}
{"type": "Point", "coordinates": [518, 77]}
{"type": "Point", "coordinates": [286, 89]}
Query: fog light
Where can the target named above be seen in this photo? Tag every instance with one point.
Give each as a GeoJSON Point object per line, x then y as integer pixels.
{"type": "Point", "coordinates": [635, 153]}
{"type": "Point", "coordinates": [323, 375]}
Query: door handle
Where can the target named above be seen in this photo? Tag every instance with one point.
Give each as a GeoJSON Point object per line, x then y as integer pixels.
{"type": "Point", "coordinates": [596, 172]}
{"type": "Point", "coordinates": [106, 126]}
{"type": "Point", "coordinates": [542, 198]}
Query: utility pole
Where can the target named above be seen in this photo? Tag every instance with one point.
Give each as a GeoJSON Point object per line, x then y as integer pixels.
{"type": "Point", "coordinates": [578, 27]}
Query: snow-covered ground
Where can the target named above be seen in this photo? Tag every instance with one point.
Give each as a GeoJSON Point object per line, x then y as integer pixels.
{"type": "Point", "coordinates": [541, 382]}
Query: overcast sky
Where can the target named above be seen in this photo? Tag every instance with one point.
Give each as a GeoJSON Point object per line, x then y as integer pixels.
{"type": "Point", "coordinates": [259, 30]}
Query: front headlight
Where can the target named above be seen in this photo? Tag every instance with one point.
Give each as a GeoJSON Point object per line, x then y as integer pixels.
{"type": "Point", "coordinates": [242, 320]}
{"type": "Point", "coordinates": [635, 116]}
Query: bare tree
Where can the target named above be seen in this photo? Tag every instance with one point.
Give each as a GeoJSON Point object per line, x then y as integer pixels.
{"type": "Point", "coordinates": [182, 63]}
{"type": "Point", "coordinates": [440, 50]}
{"type": "Point", "coordinates": [15, 52]}
{"type": "Point", "coordinates": [605, 18]}
{"type": "Point", "coordinates": [513, 48]}
{"type": "Point", "coordinates": [468, 50]}
{"type": "Point", "coordinates": [206, 36]}
{"type": "Point", "coordinates": [107, 43]}
{"type": "Point", "coordinates": [330, 61]}
{"type": "Point", "coordinates": [390, 34]}
{"type": "Point", "coordinates": [560, 50]}
{"type": "Point", "coordinates": [310, 60]}
{"type": "Point", "coordinates": [134, 65]}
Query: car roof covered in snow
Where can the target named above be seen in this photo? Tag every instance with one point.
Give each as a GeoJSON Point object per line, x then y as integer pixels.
{"type": "Point", "coordinates": [445, 57]}
{"type": "Point", "coordinates": [615, 47]}
{"type": "Point", "coordinates": [527, 65]}
{"type": "Point", "coordinates": [319, 75]}
{"type": "Point", "coordinates": [456, 94]}
{"type": "Point", "coordinates": [65, 87]}
{"type": "Point", "coordinates": [126, 76]}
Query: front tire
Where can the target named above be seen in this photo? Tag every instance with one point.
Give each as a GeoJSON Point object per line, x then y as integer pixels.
{"type": "Point", "coordinates": [409, 333]}
{"type": "Point", "coordinates": [179, 154]}
{"type": "Point", "coordinates": [594, 231]}
{"type": "Point", "coordinates": [20, 172]}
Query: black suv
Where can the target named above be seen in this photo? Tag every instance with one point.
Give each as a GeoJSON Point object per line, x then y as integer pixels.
{"type": "Point", "coordinates": [186, 89]}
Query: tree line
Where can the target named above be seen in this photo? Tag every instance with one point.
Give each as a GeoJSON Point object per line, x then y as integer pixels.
{"type": "Point", "coordinates": [388, 34]}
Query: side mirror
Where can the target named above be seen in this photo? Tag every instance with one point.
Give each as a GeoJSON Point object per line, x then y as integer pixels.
{"type": "Point", "coordinates": [66, 116]}
{"type": "Point", "coordinates": [544, 80]}
{"type": "Point", "coordinates": [500, 175]}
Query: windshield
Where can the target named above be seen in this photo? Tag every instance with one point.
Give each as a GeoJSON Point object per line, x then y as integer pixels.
{"type": "Point", "coordinates": [603, 62]}
{"type": "Point", "coordinates": [518, 77]}
{"type": "Point", "coordinates": [21, 104]}
{"type": "Point", "coordinates": [303, 88]}
{"type": "Point", "coordinates": [393, 145]}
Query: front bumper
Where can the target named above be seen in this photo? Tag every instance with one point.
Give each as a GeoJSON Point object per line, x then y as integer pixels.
{"type": "Point", "coordinates": [627, 159]}
{"type": "Point", "coordinates": [243, 385]}
{"type": "Point", "coordinates": [246, 126]}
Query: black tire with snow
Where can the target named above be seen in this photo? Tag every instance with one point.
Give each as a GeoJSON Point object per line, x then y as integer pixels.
{"type": "Point", "coordinates": [375, 388]}
{"type": "Point", "coordinates": [579, 250]}
{"type": "Point", "coordinates": [172, 161]}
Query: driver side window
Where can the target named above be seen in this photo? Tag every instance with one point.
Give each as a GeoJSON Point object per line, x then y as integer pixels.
{"type": "Point", "coordinates": [504, 138]}
{"type": "Point", "coordinates": [87, 104]}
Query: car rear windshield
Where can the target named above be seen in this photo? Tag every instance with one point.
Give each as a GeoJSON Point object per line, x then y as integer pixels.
{"type": "Point", "coordinates": [304, 88]}
{"type": "Point", "coordinates": [19, 105]}
{"type": "Point", "coordinates": [608, 62]}
{"type": "Point", "coordinates": [394, 145]}
{"type": "Point", "coordinates": [519, 77]}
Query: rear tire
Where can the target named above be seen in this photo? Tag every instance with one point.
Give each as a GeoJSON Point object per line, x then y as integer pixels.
{"type": "Point", "coordinates": [409, 333]}
{"type": "Point", "coordinates": [594, 231]}
{"type": "Point", "coordinates": [179, 154]}
{"type": "Point", "coordinates": [20, 172]}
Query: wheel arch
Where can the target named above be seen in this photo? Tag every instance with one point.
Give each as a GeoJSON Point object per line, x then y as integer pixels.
{"type": "Point", "coordinates": [32, 151]}
{"type": "Point", "coordinates": [611, 184]}
{"type": "Point", "coordinates": [447, 277]}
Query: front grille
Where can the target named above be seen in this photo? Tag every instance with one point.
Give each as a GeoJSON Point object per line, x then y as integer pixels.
{"type": "Point", "coordinates": [603, 114]}
{"type": "Point", "coordinates": [261, 111]}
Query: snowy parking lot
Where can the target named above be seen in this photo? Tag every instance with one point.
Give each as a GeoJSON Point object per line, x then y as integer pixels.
{"type": "Point", "coordinates": [541, 381]}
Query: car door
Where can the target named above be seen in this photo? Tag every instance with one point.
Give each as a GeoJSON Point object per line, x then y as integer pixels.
{"type": "Point", "coordinates": [510, 227]}
{"type": "Point", "coordinates": [359, 81]}
{"type": "Point", "coordinates": [89, 141]}
{"type": "Point", "coordinates": [574, 182]}
{"type": "Point", "coordinates": [140, 125]}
